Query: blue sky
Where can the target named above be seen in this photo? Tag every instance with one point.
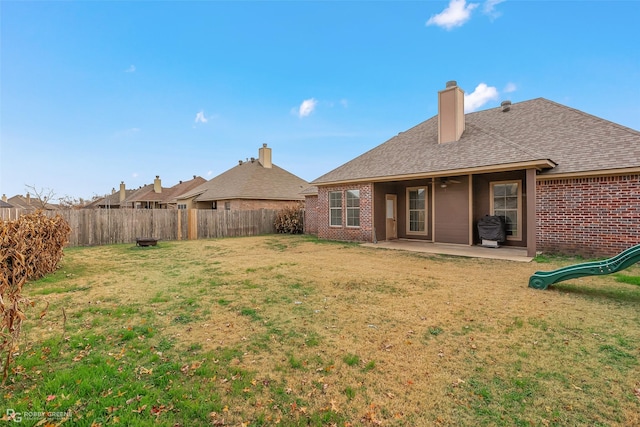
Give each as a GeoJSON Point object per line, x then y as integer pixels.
{"type": "Point", "coordinates": [93, 93]}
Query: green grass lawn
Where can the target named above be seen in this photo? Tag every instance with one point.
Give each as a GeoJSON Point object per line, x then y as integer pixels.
{"type": "Point", "coordinates": [292, 331]}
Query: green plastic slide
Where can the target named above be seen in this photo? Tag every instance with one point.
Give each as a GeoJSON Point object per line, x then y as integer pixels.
{"type": "Point", "coordinates": [625, 259]}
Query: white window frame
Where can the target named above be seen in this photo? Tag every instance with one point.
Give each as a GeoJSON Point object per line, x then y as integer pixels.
{"type": "Point", "coordinates": [351, 209]}
{"type": "Point", "coordinates": [426, 214]}
{"type": "Point", "coordinates": [335, 208]}
{"type": "Point", "coordinates": [518, 182]}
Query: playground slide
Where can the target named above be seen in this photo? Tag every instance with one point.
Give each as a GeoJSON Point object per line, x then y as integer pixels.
{"type": "Point", "coordinates": [625, 259]}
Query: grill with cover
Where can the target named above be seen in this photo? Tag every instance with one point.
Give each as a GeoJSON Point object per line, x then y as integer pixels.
{"type": "Point", "coordinates": [492, 230]}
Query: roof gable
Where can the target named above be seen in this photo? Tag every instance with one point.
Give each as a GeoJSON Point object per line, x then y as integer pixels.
{"type": "Point", "coordinates": [182, 187]}
{"type": "Point", "coordinates": [538, 131]}
{"type": "Point", "coordinates": [250, 180]}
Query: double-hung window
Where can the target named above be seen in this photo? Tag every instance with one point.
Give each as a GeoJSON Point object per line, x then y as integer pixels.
{"type": "Point", "coordinates": [335, 208]}
{"type": "Point", "coordinates": [506, 201]}
{"type": "Point", "coordinates": [353, 208]}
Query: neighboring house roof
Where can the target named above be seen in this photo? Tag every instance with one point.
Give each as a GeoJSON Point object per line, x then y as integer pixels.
{"type": "Point", "coordinates": [538, 132]}
{"type": "Point", "coordinates": [138, 195]}
{"type": "Point", "coordinates": [4, 204]}
{"type": "Point", "coordinates": [182, 187]}
{"type": "Point", "coordinates": [29, 203]}
{"type": "Point", "coordinates": [311, 190]}
{"type": "Point", "coordinates": [112, 200]}
{"type": "Point", "coordinates": [146, 194]}
{"type": "Point", "coordinates": [250, 180]}
{"type": "Point", "coordinates": [167, 195]}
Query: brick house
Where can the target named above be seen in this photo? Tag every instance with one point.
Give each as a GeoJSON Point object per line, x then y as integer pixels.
{"type": "Point", "coordinates": [252, 184]}
{"type": "Point", "coordinates": [155, 196]}
{"type": "Point", "coordinates": [151, 196]}
{"type": "Point", "coordinates": [115, 200]}
{"type": "Point", "coordinates": [564, 181]}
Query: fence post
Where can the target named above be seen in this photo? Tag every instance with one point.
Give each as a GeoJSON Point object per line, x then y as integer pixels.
{"type": "Point", "coordinates": [192, 224]}
{"type": "Point", "coordinates": [179, 233]}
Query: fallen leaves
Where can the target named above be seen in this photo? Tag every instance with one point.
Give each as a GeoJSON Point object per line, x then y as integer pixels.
{"type": "Point", "coordinates": [159, 409]}
{"type": "Point", "coordinates": [140, 409]}
{"type": "Point", "coordinates": [189, 368]}
{"type": "Point", "coordinates": [141, 370]}
{"type": "Point", "coordinates": [370, 416]}
{"type": "Point", "coordinates": [458, 382]}
{"type": "Point", "coordinates": [133, 399]}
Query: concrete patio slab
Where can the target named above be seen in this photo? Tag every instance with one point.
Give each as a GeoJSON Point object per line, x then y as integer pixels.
{"type": "Point", "coordinates": [503, 252]}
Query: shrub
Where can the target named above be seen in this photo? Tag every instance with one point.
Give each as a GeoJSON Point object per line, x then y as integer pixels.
{"type": "Point", "coordinates": [290, 220]}
{"type": "Point", "coordinates": [30, 247]}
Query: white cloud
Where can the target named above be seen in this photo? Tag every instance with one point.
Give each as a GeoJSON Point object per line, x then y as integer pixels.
{"type": "Point", "coordinates": [307, 107]}
{"type": "Point", "coordinates": [131, 69]}
{"type": "Point", "coordinates": [344, 103]}
{"type": "Point", "coordinates": [200, 118]}
{"type": "Point", "coordinates": [510, 87]}
{"type": "Point", "coordinates": [455, 15]}
{"type": "Point", "coordinates": [479, 97]}
{"type": "Point", "coordinates": [209, 173]}
{"type": "Point", "coordinates": [134, 175]}
{"type": "Point", "coordinates": [488, 8]}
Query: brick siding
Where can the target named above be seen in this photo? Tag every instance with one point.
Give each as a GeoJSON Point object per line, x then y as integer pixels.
{"type": "Point", "coordinates": [248, 205]}
{"type": "Point", "coordinates": [592, 217]}
{"type": "Point", "coordinates": [364, 232]}
{"type": "Point", "coordinates": [311, 215]}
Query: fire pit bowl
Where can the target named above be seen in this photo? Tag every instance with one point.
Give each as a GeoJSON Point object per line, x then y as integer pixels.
{"type": "Point", "coordinates": [146, 241]}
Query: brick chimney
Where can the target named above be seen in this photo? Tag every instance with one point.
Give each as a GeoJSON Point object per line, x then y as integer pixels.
{"type": "Point", "coordinates": [4, 198]}
{"type": "Point", "coordinates": [264, 156]}
{"type": "Point", "coordinates": [123, 192]}
{"type": "Point", "coordinates": [28, 199]}
{"type": "Point", "coordinates": [157, 188]}
{"type": "Point", "coordinates": [450, 113]}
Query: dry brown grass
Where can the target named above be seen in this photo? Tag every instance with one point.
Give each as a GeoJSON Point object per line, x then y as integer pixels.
{"type": "Point", "coordinates": [375, 336]}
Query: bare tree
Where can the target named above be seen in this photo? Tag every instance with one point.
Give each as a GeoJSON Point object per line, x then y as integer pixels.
{"type": "Point", "coordinates": [42, 195]}
{"type": "Point", "coordinates": [68, 202]}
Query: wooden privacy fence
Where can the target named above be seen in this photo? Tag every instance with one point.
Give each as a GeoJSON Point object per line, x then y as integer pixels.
{"type": "Point", "coordinates": [93, 227]}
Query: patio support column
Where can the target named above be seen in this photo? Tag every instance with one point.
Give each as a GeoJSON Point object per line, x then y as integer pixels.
{"type": "Point", "coordinates": [470, 210]}
{"type": "Point", "coordinates": [531, 212]}
{"type": "Point", "coordinates": [433, 210]}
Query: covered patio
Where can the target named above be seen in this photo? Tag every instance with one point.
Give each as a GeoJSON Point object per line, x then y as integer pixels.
{"type": "Point", "coordinates": [508, 253]}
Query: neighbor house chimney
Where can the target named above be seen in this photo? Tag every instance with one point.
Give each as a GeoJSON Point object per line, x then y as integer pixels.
{"type": "Point", "coordinates": [28, 199]}
{"type": "Point", "coordinates": [4, 198]}
{"type": "Point", "coordinates": [123, 192]}
{"type": "Point", "coordinates": [157, 188]}
{"type": "Point", "coordinates": [450, 113]}
{"type": "Point", "coordinates": [264, 156]}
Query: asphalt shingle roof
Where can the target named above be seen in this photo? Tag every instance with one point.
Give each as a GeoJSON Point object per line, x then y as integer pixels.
{"type": "Point", "coordinates": [250, 180]}
{"type": "Point", "coordinates": [167, 195]}
{"type": "Point", "coordinates": [538, 130]}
